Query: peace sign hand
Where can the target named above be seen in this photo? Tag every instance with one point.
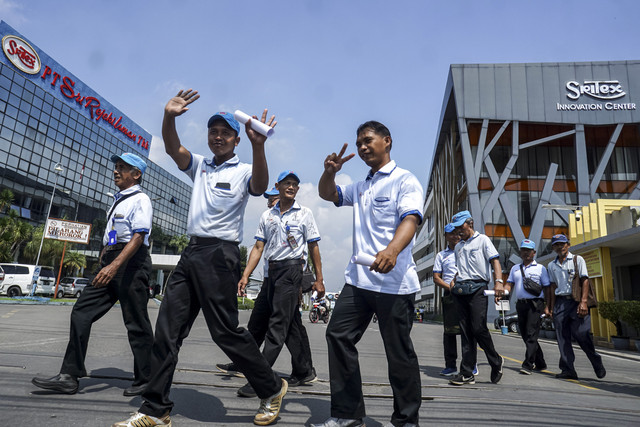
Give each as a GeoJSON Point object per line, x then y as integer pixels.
{"type": "Point", "coordinates": [333, 163]}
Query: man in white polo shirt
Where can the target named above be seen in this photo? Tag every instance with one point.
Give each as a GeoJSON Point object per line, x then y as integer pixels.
{"type": "Point", "coordinates": [387, 208]}
{"type": "Point", "coordinates": [209, 268]}
{"type": "Point", "coordinates": [475, 257]}
{"type": "Point", "coordinates": [529, 306]}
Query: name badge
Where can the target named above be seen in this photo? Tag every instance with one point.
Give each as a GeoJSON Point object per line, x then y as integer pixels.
{"type": "Point", "coordinates": [113, 237]}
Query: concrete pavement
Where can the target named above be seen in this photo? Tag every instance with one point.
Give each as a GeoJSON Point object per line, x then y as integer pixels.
{"type": "Point", "coordinates": [33, 339]}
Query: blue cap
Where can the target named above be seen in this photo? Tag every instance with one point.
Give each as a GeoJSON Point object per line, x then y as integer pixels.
{"type": "Point", "coordinates": [528, 244]}
{"type": "Point", "coordinates": [227, 117]}
{"type": "Point", "coordinates": [459, 218]}
{"type": "Point", "coordinates": [559, 238]}
{"type": "Point", "coordinates": [272, 192]}
{"type": "Point", "coordinates": [449, 228]}
{"type": "Point", "coordinates": [285, 174]}
{"type": "Point", "coordinates": [132, 160]}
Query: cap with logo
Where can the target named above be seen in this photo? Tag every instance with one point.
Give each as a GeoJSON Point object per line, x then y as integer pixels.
{"type": "Point", "coordinates": [227, 117]}
{"type": "Point", "coordinates": [559, 238]}
{"type": "Point", "coordinates": [449, 228]}
{"type": "Point", "coordinates": [272, 192]}
{"type": "Point", "coordinates": [132, 160]}
{"type": "Point", "coordinates": [460, 218]}
{"type": "Point", "coordinates": [528, 244]}
{"type": "Point", "coordinates": [287, 174]}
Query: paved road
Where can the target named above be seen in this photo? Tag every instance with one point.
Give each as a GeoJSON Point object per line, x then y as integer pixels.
{"type": "Point", "coordinates": [33, 339]}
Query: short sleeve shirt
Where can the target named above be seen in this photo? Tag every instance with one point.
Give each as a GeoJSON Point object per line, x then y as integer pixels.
{"type": "Point", "coordinates": [219, 197]}
{"type": "Point", "coordinates": [534, 271]}
{"type": "Point", "coordinates": [132, 215]}
{"type": "Point", "coordinates": [473, 257]}
{"type": "Point", "coordinates": [276, 230]}
{"type": "Point", "coordinates": [562, 274]}
{"type": "Point", "coordinates": [380, 203]}
{"type": "Point", "coordinates": [445, 265]}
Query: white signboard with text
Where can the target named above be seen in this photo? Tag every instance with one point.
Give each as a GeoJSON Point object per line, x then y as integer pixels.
{"type": "Point", "coordinates": [70, 231]}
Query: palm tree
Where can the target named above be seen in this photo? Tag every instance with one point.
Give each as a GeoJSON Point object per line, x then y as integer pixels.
{"type": "Point", "coordinates": [51, 249]}
{"type": "Point", "coordinates": [179, 242]}
{"type": "Point", "coordinates": [6, 199]}
{"type": "Point", "coordinates": [13, 234]}
{"type": "Point", "coordinates": [75, 261]}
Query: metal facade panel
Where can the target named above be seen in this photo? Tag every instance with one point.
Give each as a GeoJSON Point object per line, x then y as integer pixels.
{"type": "Point", "coordinates": [618, 71]}
{"type": "Point", "coordinates": [633, 82]}
{"type": "Point", "coordinates": [487, 84]}
{"type": "Point", "coordinates": [519, 98]}
{"type": "Point", "coordinates": [566, 73]}
{"type": "Point", "coordinates": [471, 95]}
{"type": "Point", "coordinates": [503, 92]}
{"type": "Point", "coordinates": [535, 93]}
{"type": "Point", "coordinates": [551, 91]}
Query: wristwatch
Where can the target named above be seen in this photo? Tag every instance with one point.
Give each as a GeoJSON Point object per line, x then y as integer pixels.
{"type": "Point", "coordinates": [499, 280]}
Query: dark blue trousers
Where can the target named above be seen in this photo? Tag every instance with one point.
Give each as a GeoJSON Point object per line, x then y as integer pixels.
{"type": "Point", "coordinates": [568, 324]}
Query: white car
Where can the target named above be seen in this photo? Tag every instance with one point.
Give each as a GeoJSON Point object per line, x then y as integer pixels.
{"type": "Point", "coordinates": [18, 277]}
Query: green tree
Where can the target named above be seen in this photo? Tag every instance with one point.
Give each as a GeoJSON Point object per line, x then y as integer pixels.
{"type": "Point", "coordinates": [243, 257]}
{"type": "Point", "coordinates": [74, 261]}
{"type": "Point", "coordinates": [51, 249]}
{"type": "Point", "coordinates": [14, 233]}
{"type": "Point", "coordinates": [179, 242]}
{"type": "Point", "coordinates": [6, 199]}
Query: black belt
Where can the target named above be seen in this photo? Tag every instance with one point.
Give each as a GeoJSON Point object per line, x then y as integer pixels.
{"type": "Point", "coordinates": [564, 297]}
{"type": "Point", "coordinates": [197, 240]}
{"type": "Point", "coordinates": [285, 263]}
{"type": "Point", "coordinates": [117, 247]}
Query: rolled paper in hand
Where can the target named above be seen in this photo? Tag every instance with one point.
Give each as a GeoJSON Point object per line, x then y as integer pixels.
{"type": "Point", "coordinates": [492, 292]}
{"type": "Point", "coordinates": [256, 124]}
{"type": "Point", "coordinates": [363, 259]}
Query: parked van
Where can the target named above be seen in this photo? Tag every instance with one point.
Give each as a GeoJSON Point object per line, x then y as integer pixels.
{"type": "Point", "coordinates": [17, 280]}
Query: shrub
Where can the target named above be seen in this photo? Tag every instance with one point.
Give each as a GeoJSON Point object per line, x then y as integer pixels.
{"type": "Point", "coordinates": [612, 311]}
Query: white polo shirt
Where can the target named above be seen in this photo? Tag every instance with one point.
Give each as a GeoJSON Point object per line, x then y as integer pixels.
{"type": "Point", "coordinates": [219, 197]}
{"type": "Point", "coordinates": [380, 203]}
{"type": "Point", "coordinates": [445, 264]}
{"type": "Point", "coordinates": [274, 229]}
{"type": "Point", "coordinates": [562, 274]}
{"type": "Point", "coordinates": [534, 271]}
{"type": "Point", "coordinates": [473, 257]}
{"type": "Point", "coordinates": [132, 215]}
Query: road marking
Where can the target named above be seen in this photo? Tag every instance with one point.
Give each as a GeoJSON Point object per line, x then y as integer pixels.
{"type": "Point", "coordinates": [9, 314]}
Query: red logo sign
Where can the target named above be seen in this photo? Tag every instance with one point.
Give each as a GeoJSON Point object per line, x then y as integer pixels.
{"type": "Point", "coordinates": [21, 54]}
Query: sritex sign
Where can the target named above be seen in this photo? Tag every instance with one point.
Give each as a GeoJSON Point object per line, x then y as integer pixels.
{"type": "Point", "coordinates": [599, 90]}
{"type": "Point", "coordinates": [51, 76]}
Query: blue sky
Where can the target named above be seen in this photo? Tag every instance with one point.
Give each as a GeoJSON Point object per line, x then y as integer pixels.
{"type": "Point", "coordinates": [323, 67]}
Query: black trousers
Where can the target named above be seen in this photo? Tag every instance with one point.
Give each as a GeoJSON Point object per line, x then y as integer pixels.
{"type": "Point", "coordinates": [568, 324]}
{"type": "Point", "coordinates": [351, 316]}
{"type": "Point", "coordinates": [131, 287]}
{"type": "Point", "coordinates": [529, 321]}
{"type": "Point", "coordinates": [287, 308]}
{"type": "Point", "coordinates": [451, 329]}
{"type": "Point", "coordinates": [472, 309]}
{"type": "Point", "coordinates": [206, 278]}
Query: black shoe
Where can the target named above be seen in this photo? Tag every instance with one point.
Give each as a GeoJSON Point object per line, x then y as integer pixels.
{"type": "Point", "coordinates": [247, 391]}
{"type": "Point", "coordinates": [540, 367]}
{"type": "Point", "coordinates": [567, 375]}
{"type": "Point", "coordinates": [230, 369]}
{"type": "Point", "coordinates": [462, 380]}
{"type": "Point", "coordinates": [340, 422]}
{"type": "Point", "coordinates": [526, 371]}
{"type": "Point", "coordinates": [135, 390]}
{"type": "Point", "coordinates": [295, 381]}
{"type": "Point", "coordinates": [496, 373]}
{"type": "Point", "coordinates": [600, 373]}
{"type": "Point", "coordinates": [62, 383]}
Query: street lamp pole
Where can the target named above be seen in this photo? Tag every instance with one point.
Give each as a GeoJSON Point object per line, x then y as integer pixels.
{"type": "Point", "coordinates": [59, 169]}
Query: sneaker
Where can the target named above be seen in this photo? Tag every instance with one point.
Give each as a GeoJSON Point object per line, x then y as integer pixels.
{"type": "Point", "coordinates": [143, 420]}
{"type": "Point", "coordinates": [229, 369]}
{"type": "Point", "coordinates": [449, 372]}
{"type": "Point", "coordinates": [600, 373]}
{"type": "Point", "coordinates": [540, 367]}
{"type": "Point", "coordinates": [246, 391]}
{"type": "Point", "coordinates": [270, 407]}
{"type": "Point", "coordinates": [135, 390]}
{"type": "Point", "coordinates": [496, 374]}
{"type": "Point", "coordinates": [62, 383]}
{"type": "Point", "coordinates": [462, 380]}
{"type": "Point", "coordinates": [526, 371]}
{"type": "Point", "coordinates": [295, 381]}
{"type": "Point", "coordinates": [340, 422]}
{"type": "Point", "coordinates": [475, 371]}
{"type": "Point", "coordinates": [566, 375]}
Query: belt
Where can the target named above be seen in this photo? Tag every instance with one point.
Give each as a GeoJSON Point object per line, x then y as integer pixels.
{"type": "Point", "coordinates": [197, 240]}
{"type": "Point", "coordinates": [117, 247]}
{"type": "Point", "coordinates": [564, 297]}
{"type": "Point", "coordinates": [285, 263]}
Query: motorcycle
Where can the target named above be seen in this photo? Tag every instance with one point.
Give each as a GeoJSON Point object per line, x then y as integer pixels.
{"type": "Point", "coordinates": [319, 311]}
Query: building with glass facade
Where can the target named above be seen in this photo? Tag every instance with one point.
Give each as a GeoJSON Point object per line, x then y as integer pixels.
{"type": "Point", "coordinates": [523, 146]}
{"type": "Point", "coordinates": [49, 116]}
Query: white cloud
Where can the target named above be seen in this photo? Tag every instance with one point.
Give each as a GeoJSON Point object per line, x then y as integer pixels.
{"type": "Point", "coordinates": [12, 11]}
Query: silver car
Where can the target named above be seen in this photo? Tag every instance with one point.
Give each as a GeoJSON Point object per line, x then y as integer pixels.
{"type": "Point", "coordinates": [73, 286]}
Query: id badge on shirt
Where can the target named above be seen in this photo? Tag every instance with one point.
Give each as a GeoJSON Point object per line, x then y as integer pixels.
{"type": "Point", "coordinates": [113, 237]}
{"type": "Point", "coordinates": [292, 241]}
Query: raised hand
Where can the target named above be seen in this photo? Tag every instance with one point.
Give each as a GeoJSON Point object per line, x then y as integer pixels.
{"type": "Point", "coordinates": [179, 103]}
{"type": "Point", "coordinates": [333, 163]}
{"type": "Point", "coordinates": [255, 137]}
